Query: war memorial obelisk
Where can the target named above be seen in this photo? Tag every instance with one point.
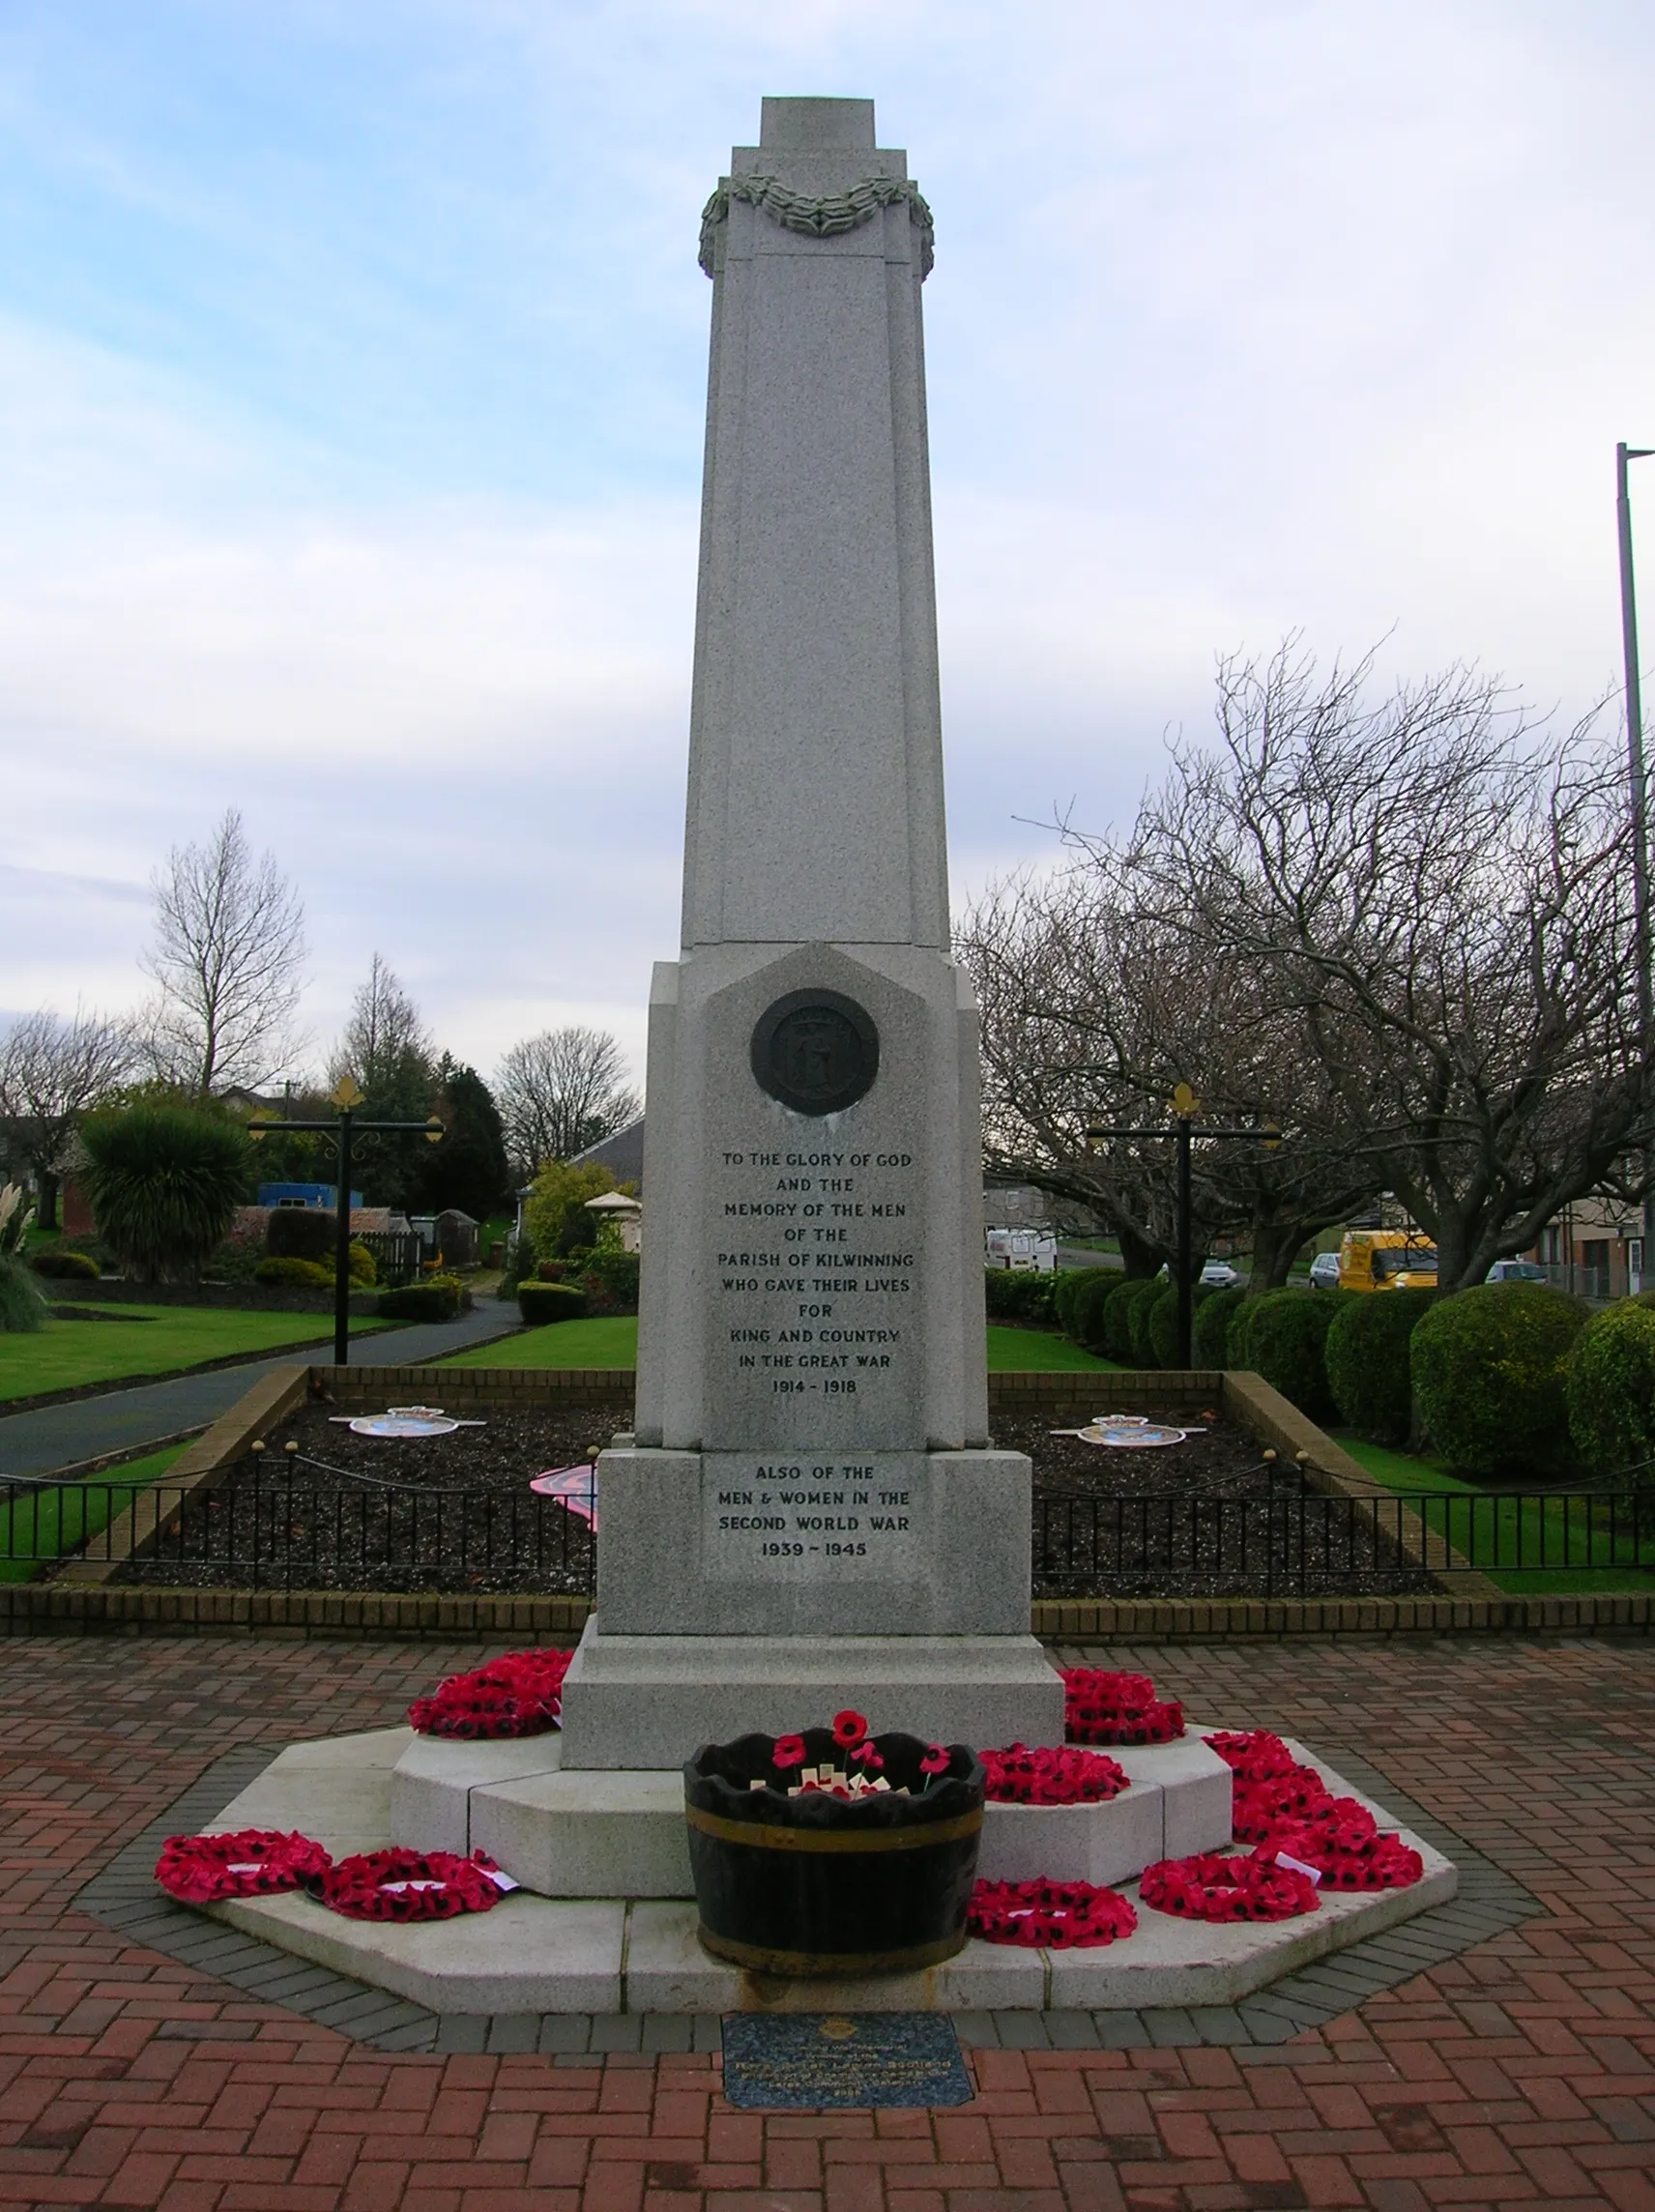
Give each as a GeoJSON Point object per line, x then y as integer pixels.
{"type": "Point", "coordinates": [810, 1514]}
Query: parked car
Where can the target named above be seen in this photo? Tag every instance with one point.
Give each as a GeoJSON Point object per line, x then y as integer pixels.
{"type": "Point", "coordinates": [1514, 1272]}
{"type": "Point", "coordinates": [1324, 1272]}
{"type": "Point", "coordinates": [1219, 1275]}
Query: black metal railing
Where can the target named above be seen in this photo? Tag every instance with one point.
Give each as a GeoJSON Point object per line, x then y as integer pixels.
{"type": "Point", "coordinates": [1302, 1543]}
{"type": "Point", "coordinates": [278, 1527]}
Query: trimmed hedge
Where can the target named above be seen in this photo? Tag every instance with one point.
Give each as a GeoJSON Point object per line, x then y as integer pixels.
{"type": "Point", "coordinates": [1283, 1335]}
{"type": "Point", "coordinates": [301, 1232]}
{"type": "Point", "coordinates": [80, 1266]}
{"type": "Point", "coordinates": [1611, 1389]}
{"type": "Point", "coordinates": [1017, 1294]}
{"type": "Point", "coordinates": [1490, 1369]}
{"type": "Point", "coordinates": [541, 1303]}
{"type": "Point", "coordinates": [294, 1274]}
{"type": "Point", "coordinates": [438, 1299]}
{"type": "Point", "coordinates": [1366, 1356]}
{"type": "Point", "coordinates": [1164, 1323]}
{"type": "Point", "coordinates": [1210, 1345]}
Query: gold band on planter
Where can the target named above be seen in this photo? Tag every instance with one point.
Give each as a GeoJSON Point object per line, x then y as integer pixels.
{"type": "Point", "coordinates": [765, 1838]}
{"type": "Point", "coordinates": [822, 1963]}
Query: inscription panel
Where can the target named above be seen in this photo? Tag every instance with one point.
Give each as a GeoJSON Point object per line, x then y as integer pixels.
{"type": "Point", "coordinates": [814, 1297]}
{"type": "Point", "coordinates": [814, 1517]}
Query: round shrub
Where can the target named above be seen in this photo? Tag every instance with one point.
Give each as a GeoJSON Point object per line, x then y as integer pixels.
{"type": "Point", "coordinates": [164, 1183]}
{"type": "Point", "coordinates": [360, 1261]}
{"type": "Point", "coordinates": [1164, 1323]}
{"type": "Point", "coordinates": [542, 1303]}
{"type": "Point", "coordinates": [1117, 1317]}
{"type": "Point", "coordinates": [78, 1266]}
{"type": "Point", "coordinates": [1088, 1306]}
{"type": "Point", "coordinates": [1366, 1357]}
{"type": "Point", "coordinates": [301, 1232]}
{"type": "Point", "coordinates": [1286, 1331]}
{"type": "Point", "coordinates": [438, 1298]}
{"type": "Point", "coordinates": [294, 1275]}
{"type": "Point", "coordinates": [1611, 1389]}
{"type": "Point", "coordinates": [1132, 1304]}
{"type": "Point", "coordinates": [610, 1281]}
{"type": "Point", "coordinates": [1490, 1368]}
{"type": "Point", "coordinates": [1017, 1294]}
{"type": "Point", "coordinates": [1069, 1284]}
{"type": "Point", "coordinates": [1210, 1345]}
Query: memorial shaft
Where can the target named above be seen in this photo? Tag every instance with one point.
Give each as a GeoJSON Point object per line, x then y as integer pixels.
{"type": "Point", "coordinates": [810, 1475]}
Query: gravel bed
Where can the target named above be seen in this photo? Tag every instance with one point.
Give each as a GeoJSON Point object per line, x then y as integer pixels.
{"type": "Point", "coordinates": [1205, 1518]}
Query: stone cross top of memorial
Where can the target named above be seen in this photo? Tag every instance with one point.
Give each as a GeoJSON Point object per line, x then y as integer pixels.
{"type": "Point", "coordinates": [809, 1513]}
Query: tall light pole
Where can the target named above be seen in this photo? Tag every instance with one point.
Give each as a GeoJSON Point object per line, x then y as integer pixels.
{"type": "Point", "coordinates": [1623, 454]}
{"type": "Point", "coordinates": [345, 1099]}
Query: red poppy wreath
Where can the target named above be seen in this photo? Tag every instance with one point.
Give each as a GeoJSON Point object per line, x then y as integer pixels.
{"type": "Point", "coordinates": [252, 1862]}
{"type": "Point", "coordinates": [1280, 1804]}
{"type": "Point", "coordinates": [1208, 1886]}
{"type": "Point", "coordinates": [517, 1694]}
{"type": "Point", "coordinates": [1104, 1707]}
{"type": "Point", "coordinates": [1051, 1775]}
{"type": "Point", "coordinates": [1049, 1915]}
{"type": "Point", "coordinates": [409, 1885]}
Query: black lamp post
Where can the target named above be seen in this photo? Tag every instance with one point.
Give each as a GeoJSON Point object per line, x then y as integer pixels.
{"type": "Point", "coordinates": [1639, 792]}
{"type": "Point", "coordinates": [1185, 1106]}
{"type": "Point", "coordinates": [347, 1097]}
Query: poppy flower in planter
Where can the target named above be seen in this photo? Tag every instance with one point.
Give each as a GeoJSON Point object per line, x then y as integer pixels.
{"type": "Point", "coordinates": [935, 1759]}
{"type": "Point", "coordinates": [866, 1756]}
{"type": "Point", "coordinates": [789, 1751]}
{"type": "Point", "coordinates": [849, 1728]}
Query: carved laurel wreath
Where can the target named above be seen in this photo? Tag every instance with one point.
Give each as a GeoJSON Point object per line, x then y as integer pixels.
{"type": "Point", "coordinates": [826, 217]}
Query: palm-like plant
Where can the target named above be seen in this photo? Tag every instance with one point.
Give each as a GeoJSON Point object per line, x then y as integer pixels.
{"type": "Point", "coordinates": [22, 1306]}
{"type": "Point", "coordinates": [164, 1183]}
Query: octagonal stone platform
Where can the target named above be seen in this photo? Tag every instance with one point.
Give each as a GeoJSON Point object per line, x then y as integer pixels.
{"type": "Point", "coordinates": [593, 1832]}
{"type": "Point", "coordinates": [639, 1953]}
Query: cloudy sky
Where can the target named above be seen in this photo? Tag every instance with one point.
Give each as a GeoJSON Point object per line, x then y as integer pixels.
{"type": "Point", "coordinates": [352, 365]}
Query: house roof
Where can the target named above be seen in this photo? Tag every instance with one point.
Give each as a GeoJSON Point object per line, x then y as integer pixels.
{"type": "Point", "coordinates": [623, 1153]}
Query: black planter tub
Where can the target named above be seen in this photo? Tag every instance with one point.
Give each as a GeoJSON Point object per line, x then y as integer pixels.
{"type": "Point", "coordinates": [818, 1885]}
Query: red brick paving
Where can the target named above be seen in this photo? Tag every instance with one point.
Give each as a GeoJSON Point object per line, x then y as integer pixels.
{"type": "Point", "coordinates": [1521, 2073]}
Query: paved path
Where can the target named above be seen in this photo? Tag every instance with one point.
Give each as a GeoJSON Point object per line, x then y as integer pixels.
{"type": "Point", "coordinates": [1521, 2073]}
{"type": "Point", "coordinates": [118, 1421]}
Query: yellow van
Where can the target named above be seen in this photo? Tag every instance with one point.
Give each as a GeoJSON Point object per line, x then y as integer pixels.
{"type": "Point", "coordinates": [1386, 1259]}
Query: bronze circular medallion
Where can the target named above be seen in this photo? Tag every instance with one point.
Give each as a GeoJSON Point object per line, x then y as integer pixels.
{"type": "Point", "coordinates": [815, 1051]}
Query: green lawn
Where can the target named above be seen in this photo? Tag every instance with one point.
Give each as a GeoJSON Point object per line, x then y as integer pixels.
{"type": "Point", "coordinates": [610, 1342]}
{"type": "Point", "coordinates": [36, 1524]}
{"type": "Point", "coordinates": [1040, 1351]}
{"type": "Point", "coordinates": [68, 1353]}
{"type": "Point", "coordinates": [614, 1343]}
{"type": "Point", "coordinates": [1591, 1553]}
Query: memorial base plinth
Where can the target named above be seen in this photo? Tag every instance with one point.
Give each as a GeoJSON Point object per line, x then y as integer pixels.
{"type": "Point", "coordinates": [637, 1701]}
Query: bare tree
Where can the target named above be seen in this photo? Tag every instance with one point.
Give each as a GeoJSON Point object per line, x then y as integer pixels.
{"type": "Point", "coordinates": [562, 1090]}
{"type": "Point", "coordinates": [227, 956]}
{"type": "Point", "coordinates": [1092, 1013]}
{"type": "Point", "coordinates": [1433, 905]}
{"type": "Point", "coordinates": [385, 1045]}
{"type": "Point", "coordinates": [53, 1069]}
